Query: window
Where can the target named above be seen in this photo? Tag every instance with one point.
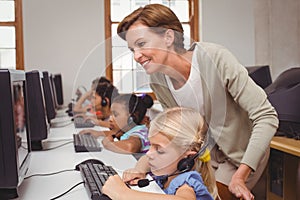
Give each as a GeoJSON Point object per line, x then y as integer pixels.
{"type": "Point", "coordinates": [11, 35]}
{"type": "Point", "coordinates": [125, 73]}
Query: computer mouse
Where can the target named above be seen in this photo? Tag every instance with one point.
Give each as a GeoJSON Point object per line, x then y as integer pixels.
{"type": "Point", "coordinates": [92, 160]}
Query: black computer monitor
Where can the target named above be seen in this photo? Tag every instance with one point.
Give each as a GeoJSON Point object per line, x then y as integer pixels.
{"type": "Point", "coordinates": [260, 74]}
{"type": "Point", "coordinates": [15, 149]}
{"type": "Point", "coordinates": [39, 126]}
{"type": "Point", "coordinates": [57, 78]}
{"type": "Point", "coordinates": [48, 94]}
{"type": "Point", "coordinates": [53, 89]}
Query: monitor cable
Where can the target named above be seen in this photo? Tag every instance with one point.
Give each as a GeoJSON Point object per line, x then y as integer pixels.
{"type": "Point", "coordinates": [82, 182]}
{"type": "Point", "coordinates": [69, 142]}
{"type": "Point", "coordinates": [50, 174]}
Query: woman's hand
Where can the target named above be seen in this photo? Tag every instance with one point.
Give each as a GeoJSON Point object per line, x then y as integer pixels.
{"type": "Point", "coordinates": [131, 176]}
{"type": "Point", "coordinates": [237, 184]}
{"type": "Point", "coordinates": [114, 187]}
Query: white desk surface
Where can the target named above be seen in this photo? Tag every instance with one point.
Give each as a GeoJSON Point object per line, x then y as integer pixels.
{"type": "Point", "coordinates": [65, 157]}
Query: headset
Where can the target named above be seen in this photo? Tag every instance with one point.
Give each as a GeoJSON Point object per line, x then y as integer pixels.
{"type": "Point", "coordinates": [132, 119]}
{"type": "Point", "coordinates": [184, 165]}
{"type": "Point", "coordinates": [103, 99]}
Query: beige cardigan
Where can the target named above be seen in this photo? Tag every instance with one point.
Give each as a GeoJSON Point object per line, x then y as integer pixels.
{"type": "Point", "coordinates": [241, 119]}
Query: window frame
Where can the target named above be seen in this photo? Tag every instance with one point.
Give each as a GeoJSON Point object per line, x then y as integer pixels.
{"type": "Point", "coordinates": [18, 24]}
{"type": "Point", "coordinates": [193, 22]}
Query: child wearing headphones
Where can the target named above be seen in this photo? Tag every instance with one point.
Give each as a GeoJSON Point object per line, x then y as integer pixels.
{"type": "Point", "coordinates": [101, 102]}
{"type": "Point", "coordinates": [178, 159]}
{"type": "Point", "coordinates": [128, 134]}
{"type": "Point", "coordinates": [83, 102]}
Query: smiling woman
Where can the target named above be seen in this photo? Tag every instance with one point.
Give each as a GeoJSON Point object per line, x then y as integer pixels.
{"type": "Point", "coordinates": [125, 72]}
{"type": "Point", "coordinates": [209, 79]}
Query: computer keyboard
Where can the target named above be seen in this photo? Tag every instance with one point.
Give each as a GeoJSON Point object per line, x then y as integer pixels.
{"type": "Point", "coordinates": [85, 143]}
{"type": "Point", "coordinates": [80, 122]}
{"type": "Point", "coordinates": [94, 176]}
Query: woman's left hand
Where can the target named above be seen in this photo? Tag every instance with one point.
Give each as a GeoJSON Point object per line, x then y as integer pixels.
{"type": "Point", "coordinates": [240, 190]}
{"type": "Point", "coordinates": [237, 184]}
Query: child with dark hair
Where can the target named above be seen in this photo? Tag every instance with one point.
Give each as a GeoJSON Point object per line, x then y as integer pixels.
{"type": "Point", "coordinates": [101, 103]}
{"type": "Point", "coordinates": [128, 134]}
{"type": "Point", "coordinates": [83, 102]}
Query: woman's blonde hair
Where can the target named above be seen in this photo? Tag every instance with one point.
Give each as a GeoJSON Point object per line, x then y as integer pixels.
{"type": "Point", "coordinates": [187, 129]}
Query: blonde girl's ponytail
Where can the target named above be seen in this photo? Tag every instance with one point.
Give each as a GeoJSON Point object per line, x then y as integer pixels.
{"type": "Point", "coordinates": [203, 165]}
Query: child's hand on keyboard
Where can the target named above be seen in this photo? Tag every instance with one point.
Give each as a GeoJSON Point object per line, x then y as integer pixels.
{"type": "Point", "coordinates": [131, 176]}
{"type": "Point", "coordinates": [91, 132]}
{"type": "Point", "coordinates": [91, 119]}
{"type": "Point", "coordinates": [114, 187]}
{"type": "Point", "coordinates": [85, 131]}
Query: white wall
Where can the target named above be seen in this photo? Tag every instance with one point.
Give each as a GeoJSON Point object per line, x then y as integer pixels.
{"type": "Point", "coordinates": [231, 24]}
{"type": "Point", "coordinates": [277, 27]}
{"type": "Point", "coordinates": [65, 36]}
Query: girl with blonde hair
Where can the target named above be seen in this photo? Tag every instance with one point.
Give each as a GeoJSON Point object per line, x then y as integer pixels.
{"type": "Point", "coordinates": [178, 159]}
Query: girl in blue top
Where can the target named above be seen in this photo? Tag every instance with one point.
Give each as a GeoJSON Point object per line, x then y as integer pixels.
{"type": "Point", "coordinates": [175, 135]}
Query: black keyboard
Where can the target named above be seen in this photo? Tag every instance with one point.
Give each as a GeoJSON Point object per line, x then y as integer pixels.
{"type": "Point", "coordinates": [80, 122]}
{"type": "Point", "coordinates": [94, 177]}
{"type": "Point", "coordinates": [85, 143]}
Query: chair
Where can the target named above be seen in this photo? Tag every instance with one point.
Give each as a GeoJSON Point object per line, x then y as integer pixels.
{"type": "Point", "coordinates": [224, 193]}
{"type": "Point", "coordinates": [286, 79]}
{"type": "Point", "coordinates": [260, 74]}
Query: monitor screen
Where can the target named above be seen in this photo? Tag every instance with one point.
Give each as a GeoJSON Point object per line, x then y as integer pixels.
{"type": "Point", "coordinates": [15, 146]}
{"type": "Point", "coordinates": [22, 134]}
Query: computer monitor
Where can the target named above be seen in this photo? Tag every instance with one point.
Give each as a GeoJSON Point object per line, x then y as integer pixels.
{"type": "Point", "coordinates": [57, 78]}
{"type": "Point", "coordinates": [15, 149]}
{"type": "Point", "coordinates": [39, 126]}
{"type": "Point", "coordinates": [48, 94]}
{"type": "Point", "coordinates": [260, 74]}
{"type": "Point", "coordinates": [53, 89]}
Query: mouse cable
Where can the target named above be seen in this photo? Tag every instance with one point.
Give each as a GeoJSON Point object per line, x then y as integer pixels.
{"type": "Point", "coordinates": [63, 124]}
{"type": "Point", "coordinates": [69, 142]}
{"type": "Point", "coordinates": [49, 174]}
{"type": "Point", "coordinates": [67, 191]}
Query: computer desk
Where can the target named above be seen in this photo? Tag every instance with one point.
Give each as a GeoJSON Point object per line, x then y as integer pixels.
{"type": "Point", "coordinates": [62, 158]}
{"type": "Point", "coordinates": [284, 169]}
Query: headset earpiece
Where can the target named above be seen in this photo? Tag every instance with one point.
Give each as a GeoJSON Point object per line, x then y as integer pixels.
{"type": "Point", "coordinates": [103, 101]}
{"type": "Point", "coordinates": [103, 97]}
{"type": "Point", "coordinates": [186, 164]}
{"type": "Point", "coordinates": [130, 120]}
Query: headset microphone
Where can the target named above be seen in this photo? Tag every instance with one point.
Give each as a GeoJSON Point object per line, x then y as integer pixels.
{"type": "Point", "coordinates": [144, 182]}
{"type": "Point", "coordinates": [161, 179]}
